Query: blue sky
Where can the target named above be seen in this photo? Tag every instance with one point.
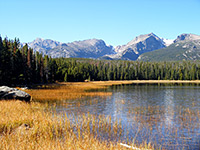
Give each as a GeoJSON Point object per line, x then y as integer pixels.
{"type": "Point", "coordinates": [115, 21]}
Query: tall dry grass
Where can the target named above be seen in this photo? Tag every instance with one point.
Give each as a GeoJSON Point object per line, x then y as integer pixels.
{"type": "Point", "coordinates": [63, 91]}
{"type": "Point", "coordinates": [30, 126]}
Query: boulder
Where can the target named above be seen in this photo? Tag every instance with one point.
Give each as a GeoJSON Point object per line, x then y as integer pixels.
{"type": "Point", "coordinates": [7, 93]}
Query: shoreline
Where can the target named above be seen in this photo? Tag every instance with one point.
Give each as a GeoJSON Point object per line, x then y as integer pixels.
{"type": "Point", "coordinates": [75, 90]}
{"type": "Point", "coordinates": [143, 82]}
{"type": "Point", "coordinates": [111, 82]}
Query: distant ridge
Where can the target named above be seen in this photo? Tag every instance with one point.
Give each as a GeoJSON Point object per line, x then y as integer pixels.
{"type": "Point", "coordinates": [92, 48]}
{"type": "Point", "coordinates": [146, 47]}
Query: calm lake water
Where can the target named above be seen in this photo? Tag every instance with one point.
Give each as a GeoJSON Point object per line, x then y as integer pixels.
{"type": "Point", "coordinates": [166, 115]}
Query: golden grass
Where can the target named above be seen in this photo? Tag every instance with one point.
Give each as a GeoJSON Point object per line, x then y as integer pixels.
{"type": "Point", "coordinates": [75, 90]}
{"type": "Point", "coordinates": [63, 91]}
{"type": "Point", "coordinates": [110, 83]}
{"type": "Point", "coordinates": [46, 132]}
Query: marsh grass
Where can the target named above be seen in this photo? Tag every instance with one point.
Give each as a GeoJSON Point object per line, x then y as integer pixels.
{"type": "Point", "coordinates": [172, 130]}
{"type": "Point", "coordinates": [77, 90]}
{"type": "Point", "coordinates": [64, 91]}
{"type": "Point", "coordinates": [147, 125]}
{"type": "Point", "coordinates": [47, 132]}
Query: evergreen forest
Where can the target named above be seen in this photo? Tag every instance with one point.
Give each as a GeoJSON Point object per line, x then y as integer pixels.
{"type": "Point", "coordinates": [20, 65]}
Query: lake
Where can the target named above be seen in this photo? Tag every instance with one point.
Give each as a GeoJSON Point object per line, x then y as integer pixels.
{"type": "Point", "coordinates": [161, 114]}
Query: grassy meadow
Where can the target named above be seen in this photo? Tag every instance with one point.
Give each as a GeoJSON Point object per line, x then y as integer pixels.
{"type": "Point", "coordinates": [63, 91]}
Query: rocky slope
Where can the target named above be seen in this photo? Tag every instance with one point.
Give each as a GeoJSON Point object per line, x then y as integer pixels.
{"type": "Point", "coordinates": [141, 44]}
{"type": "Point", "coordinates": [184, 47]}
{"type": "Point", "coordinates": [42, 45]}
{"type": "Point", "coordinates": [92, 48]}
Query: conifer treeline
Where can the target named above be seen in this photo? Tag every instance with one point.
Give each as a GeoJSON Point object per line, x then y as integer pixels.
{"type": "Point", "coordinates": [21, 66]}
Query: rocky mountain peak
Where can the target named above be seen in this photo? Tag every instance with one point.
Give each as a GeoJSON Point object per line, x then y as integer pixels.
{"type": "Point", "coordinates": [91, 48]}
{"type": "Point", "coordinates": [38, 40]}
{"type": "Point", "coordinates": [143, 38]}
{"type": "Point", "coordinates": [187, 37]}
{"type": "Point", "coordinates": [185, 47]}
{"type": "Point", "coordinates": [140, 44]}
{"type": "Point", "coordinates": [91, 42]}
{"type": "Point", "coordinates": [43, 45]}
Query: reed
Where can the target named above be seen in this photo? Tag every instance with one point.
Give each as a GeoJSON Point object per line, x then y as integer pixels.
{"type": "Point", "coordinates": [31, 126]}
{"type": "Point", "coordinates": [64, 91]}
{"type": "Point", "coordinates": [175, 131]}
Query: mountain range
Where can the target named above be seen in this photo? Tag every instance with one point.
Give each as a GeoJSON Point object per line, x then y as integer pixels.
{"type": "Point", "coordinates": [147, 47]}
{"type": "Point", "coordinates": [184, 47]}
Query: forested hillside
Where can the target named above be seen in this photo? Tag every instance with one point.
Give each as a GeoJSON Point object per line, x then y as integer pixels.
{"type": "Point", "coordinates": [20, 66]}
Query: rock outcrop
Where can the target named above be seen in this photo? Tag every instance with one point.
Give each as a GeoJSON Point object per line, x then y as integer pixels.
{"type": "Point", "coordinates": [7, 93]}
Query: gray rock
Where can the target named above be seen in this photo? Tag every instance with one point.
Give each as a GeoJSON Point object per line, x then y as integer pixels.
{"type": "Point", "coordinates": [7, 93]}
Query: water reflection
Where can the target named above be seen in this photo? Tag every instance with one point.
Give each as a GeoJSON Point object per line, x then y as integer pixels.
{"type": "Point", "coordinates": [164, 114]}
{"type": "Point", "coordinates": [169, 106]}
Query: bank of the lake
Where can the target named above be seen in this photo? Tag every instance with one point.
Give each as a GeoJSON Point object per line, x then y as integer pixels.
{"type": "Point", "coordinates": [33, 126]}
{"type": "Point", "coordinates": [75, 90]}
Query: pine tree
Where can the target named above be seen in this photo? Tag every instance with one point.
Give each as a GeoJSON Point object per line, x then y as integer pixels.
{"type": "Point", "coordinates": [1, 60]}
{"type": "Point", "coordinates": [65, 78]}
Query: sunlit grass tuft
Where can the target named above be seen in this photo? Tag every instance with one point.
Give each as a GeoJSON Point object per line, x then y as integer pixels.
{"type": "Point", "coordinates": [31, 126]}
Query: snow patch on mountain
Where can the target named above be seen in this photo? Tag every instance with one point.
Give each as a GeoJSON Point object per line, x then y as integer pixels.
{"type": "Point", "coordinates": [167, 42]}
